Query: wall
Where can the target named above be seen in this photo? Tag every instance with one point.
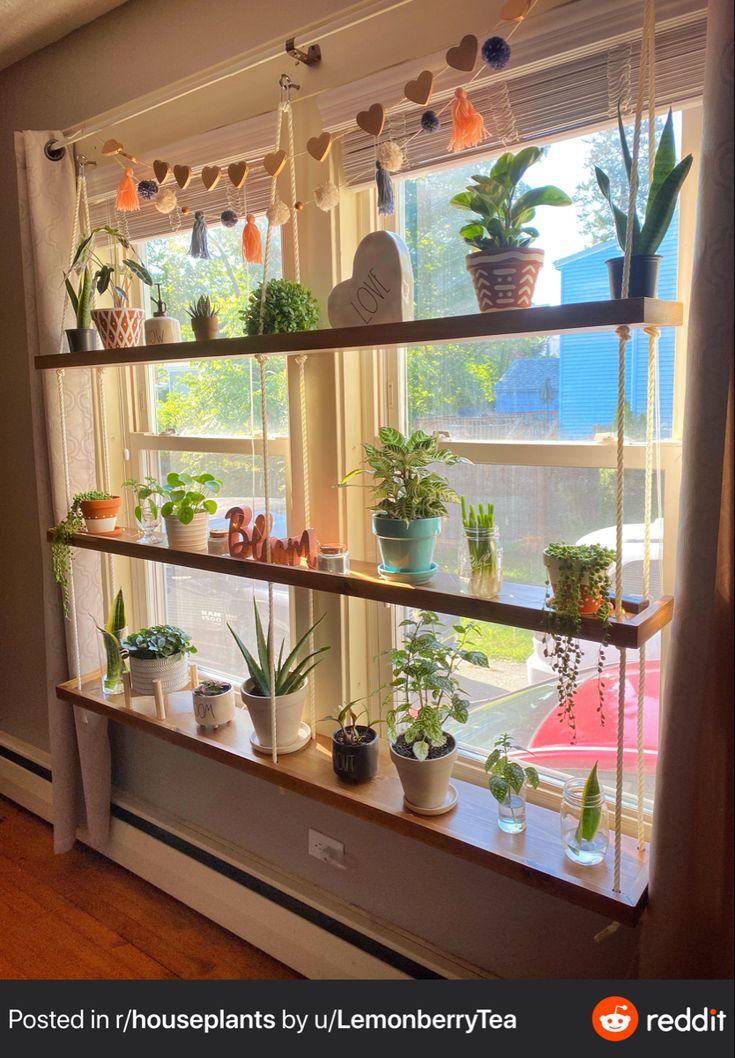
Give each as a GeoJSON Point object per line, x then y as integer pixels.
{"type": "Point", "coordinates": [471, 912]}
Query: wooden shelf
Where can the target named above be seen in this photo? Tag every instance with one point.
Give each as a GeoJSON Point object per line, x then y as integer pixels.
{"type": "Point", "coordinates": [468, 831]}
{"type": "Point", "coordinates": [546, 319]}
{"type": "Point", "coordinates": [519, 605]}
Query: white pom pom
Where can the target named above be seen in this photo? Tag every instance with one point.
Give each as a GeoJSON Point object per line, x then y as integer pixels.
{"type": "Point", "coordinates": [166, 200]}
{"type": "Point", "coordinates": [278, 214]}
{"type": "Point", "coordinates": [391, 155]}
{"type": "Point", "coordinates": [326, 196]}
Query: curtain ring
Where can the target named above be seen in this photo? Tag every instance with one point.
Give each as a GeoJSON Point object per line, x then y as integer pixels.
{"type": "Point", "coordinates": [53, 152]}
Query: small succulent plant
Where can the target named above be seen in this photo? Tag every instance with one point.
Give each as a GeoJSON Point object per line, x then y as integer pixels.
{"type": "Point", "coordinates": [202, 308]}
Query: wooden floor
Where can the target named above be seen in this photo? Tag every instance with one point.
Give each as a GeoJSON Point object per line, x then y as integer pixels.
{"type": "Point", "coordinates": [82, 916]}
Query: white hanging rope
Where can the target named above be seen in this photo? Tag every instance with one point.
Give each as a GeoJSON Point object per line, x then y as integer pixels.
{"type": "Point", "coordinates": [292, 178]}
{"type": "Point", "coordinates": [301, 361]}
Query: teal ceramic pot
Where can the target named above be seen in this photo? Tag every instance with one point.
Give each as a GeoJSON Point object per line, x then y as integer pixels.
{"type": "Point", "coordinates": [406, 548]}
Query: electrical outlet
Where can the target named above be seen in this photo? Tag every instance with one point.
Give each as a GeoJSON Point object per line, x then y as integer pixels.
{"type": "Point", "coordinates": [327, 849]}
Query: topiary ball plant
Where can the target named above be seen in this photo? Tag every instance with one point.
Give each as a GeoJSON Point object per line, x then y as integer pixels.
{"type": "Point", "coordinates": [288, 307]}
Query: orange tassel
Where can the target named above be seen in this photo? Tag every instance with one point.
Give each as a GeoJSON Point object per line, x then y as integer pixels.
{"type": "Point", "coordinates": [127, 194]}
{"type": "Point", "coordinates": [252, 244]}
{"type": "Point", "coordinates": [468, 127]}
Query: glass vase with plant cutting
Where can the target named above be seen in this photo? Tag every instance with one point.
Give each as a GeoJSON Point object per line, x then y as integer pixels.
{"type": "Point", "coordinates": [481, 557]}
{"type": "Point", "coordinates": [507, 780]}
{"type": "Point", "coordinates": [149, 494]}
{"type": "Point", "coordinates": [585, 831]}
{"type": "Point", "coordinates": [112, 657]}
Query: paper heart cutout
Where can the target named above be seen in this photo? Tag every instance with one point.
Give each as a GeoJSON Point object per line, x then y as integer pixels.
{"type": "Point", "coordinates": [515, 10]}
{"type": "Point", "coordinates": [274, 163]}
{"type": "Point", "coordinates": [381, 287]}
{"type": "Point", "coordinates": [182, 176]}
{"type": "Point", "coordinates": [162, 170]}
{"type": "Point", "coordinates": [464, 55]}
{"type": "Point", "coordinates": [238, 173]}
{"type": "Point", "coordinates": [372, 119]}
{"type": "Point", "coordinates": [110, 147]}
{"type": "Point", "coordinates": [319, 146]}
{"type": "Point", "coordinates": [419, 91]}
{"type": "Point", "coordinates": [211, 175]}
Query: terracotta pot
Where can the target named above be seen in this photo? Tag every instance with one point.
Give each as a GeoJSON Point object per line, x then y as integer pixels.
{"type": "Point", "coordinates": [173, 673]}
{"type": "Point", "coordinates": [205, 328]}
{"type": "Point", "coordinates": [426, 782]}
{"type": "Point", "coordinates": [100, 516]}
{"type": "Point", "coordinates": [214, 710]}
{"type": "Point", "coordinates": [505, 279]}
{"type": "Point", "coordinates": [589, 604]}
{"type": "Point", "coordinates": [191, 537]}
{"type": "Point", "coordinates": [289, 710]}
{"type": "Point", "coordinates": [119, 328]}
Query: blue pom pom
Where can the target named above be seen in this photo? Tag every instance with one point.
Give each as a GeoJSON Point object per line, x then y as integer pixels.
{"type": "Point", "coordinates": [147, 190]}
{"type": "Point", "coordinates": [429, 121]}
{"type": "Point", "coordinates": [496, 52]}
{"type": "Point", "coordinates": [229, 218]}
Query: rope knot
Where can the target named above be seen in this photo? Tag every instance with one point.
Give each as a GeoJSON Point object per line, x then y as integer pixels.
{"type": "Point", "coordinates": [623, 331]}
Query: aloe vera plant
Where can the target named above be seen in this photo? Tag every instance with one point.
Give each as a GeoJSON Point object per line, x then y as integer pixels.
{"type": "Point", "coordinates": [289, 673]}
{"type": "Point", "coordinates": [668, 177]}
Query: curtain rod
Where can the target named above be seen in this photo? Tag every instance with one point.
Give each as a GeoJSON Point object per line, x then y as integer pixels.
{"type": "Point", "coordinates": [55, 148]}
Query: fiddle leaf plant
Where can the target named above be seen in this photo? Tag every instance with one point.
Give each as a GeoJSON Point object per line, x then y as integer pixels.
{"type": "Point", "coordinates": [403, 484]}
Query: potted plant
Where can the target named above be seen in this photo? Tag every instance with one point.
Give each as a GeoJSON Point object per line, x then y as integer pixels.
{"type": "Point", "coordinates": [119, 326]}
{"type": "Point", "coordinates": [288, 307]}
{"type": "Point", "coordinates": [186, 509]}
{"type": "Point", "coordinates": [355, 746]}
{"type": "Point", "coordinates": [149, 496]}
{"type": "Point", "coordinates": [481, 564]}
{"type": "Point", "coordinates": [427, 687]}
{"type": "Point", "coordinates": [507, 781]}
{"type": "Point", "coordinates": [409, 498]}
{"type": "Point", "coordinates": [111, 655]}
{"type": "Point", "coordinates": [83, 337]}
{"type": "Point", "coordinates": [99, 511]}
{"type": "Point", "coordinates": [290, 685]}
{"type": "Point", "coordinates": [62, 535]}
{"type": "Point", "coordinates": [505, 267]}
{"type": "Point", "coordinates": [579, 576]}
{"type": "Point", "coordinates": [159, 653]}
{"type": "Point", "coordinates": [668, 177]}
{"type": "Point", "coordinates": [204, 319]}
{"type": "Point", "coordinates": [214, 703]}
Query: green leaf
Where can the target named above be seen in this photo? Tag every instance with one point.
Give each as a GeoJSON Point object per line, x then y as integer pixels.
{"type": "Point", "coordinates": [186, 515]}
{"type": "Point", "coordinates": [661, 209]}
{"type": "Point", "coordinates": [420, 750]}
{"type": "Point", "coordinates": [624, 144]}
{"type": "Point", "coordinates": [548, 195]}
{"type": "Point", "coordinates": [472, 231]}
{"type": "Point", "coordinates": [591, 814]}
{"type": "Point", "coordinates": [140, 271]}
{"type": "Point", "coordinates": [73, 294]}
{"type": "Point", "coordinates": [665, 159]}
{"type": "Point", "coordinates": [499, 788]}
{"type": "Point", "coordinates": [523, 161]}
{"type": "Point", "coordinates": [514, 775]}
{"type": "Point", "coordinates": [116, 616]}
{"type": "Point", "coordinates": [532, 778]}
{"type": "Point", "coordinates": [256, 674]}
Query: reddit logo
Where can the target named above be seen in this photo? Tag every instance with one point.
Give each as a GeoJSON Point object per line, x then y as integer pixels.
{"type": "Point", "coordinates": [615, 1018]}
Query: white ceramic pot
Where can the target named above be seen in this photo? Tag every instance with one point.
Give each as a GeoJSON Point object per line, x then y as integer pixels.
{"type": "Point", "coordinates": [119, 328]}
{"type": "Point", "coordinates": [173, 673]}
{"type": "Point", "coordinates": [426, 782]}
{"type": "Point", "coordinates": [191, 537]}
{"type": "Point", "coordinates": [214, 710]}
{"type": "Point", "coordinates": [289, 710]}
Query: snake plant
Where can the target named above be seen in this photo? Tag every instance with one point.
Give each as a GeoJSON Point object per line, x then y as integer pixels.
{"type": "Point", "coordinates": [112, 635]}
{"type": "Point", "coordinates": [289, 674]}
{"type": "Point", "coordinates": [668, 177]}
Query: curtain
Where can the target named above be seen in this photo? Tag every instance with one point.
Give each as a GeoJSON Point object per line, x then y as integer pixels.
{"type": "Point", "coordinates": [688, 930]}
{"type": "Point", "coordinates": [80, 756]}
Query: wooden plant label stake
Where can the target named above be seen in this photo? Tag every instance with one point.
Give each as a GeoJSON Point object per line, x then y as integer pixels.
{"type": "Point", "coordinates": [464, 55]}
{"type": "Point", "coordinates": [319, 146]}
{"type": "Point", "coordinates": [194, 675]}
{"type": "Point", "coordinates": [251, 541]}
{"type": "Point", "coordinates": [381, 287]}
{"type": "Point", "coordinates": [238, 173]}
{"type": "Point", "coordinates": [182, 176]}
{"type": "Point", "coordinates": [159, 699]}
{"type": "Point", "coordinates": [372, 120]}
{"type": "Point", "coordinates": [273, 163]}
{"type": "Point", "coordinates": [162, 170]}
{"type": "Point", "coordinates": [419, 91]}
{"type": "Point", "coordinates": [211, 175]}
{"type": "Point", "coordinates": [127, 690]}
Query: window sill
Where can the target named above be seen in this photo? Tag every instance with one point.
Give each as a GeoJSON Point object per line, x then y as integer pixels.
{"type": "Point", "coordinates": [468, 831]}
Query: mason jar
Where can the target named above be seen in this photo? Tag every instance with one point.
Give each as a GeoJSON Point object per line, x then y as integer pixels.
{"type": "Point", "coordinates": [585, 833]}
{"type": "Point", "coordinates": [481, 562]}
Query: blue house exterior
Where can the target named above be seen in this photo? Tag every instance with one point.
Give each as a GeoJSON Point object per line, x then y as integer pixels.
{"type": "Point", "coordinates": [529, 385]}
{"type": "Point", "coordinates": [588, 362]}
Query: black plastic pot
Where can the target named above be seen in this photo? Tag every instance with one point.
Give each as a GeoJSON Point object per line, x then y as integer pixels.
{"type": "Point", "coordinates": [643, 281]}
{"type": "Point", "coordinates": [82, 339]}
{"type": "Point", "coordinates": [355, 762]}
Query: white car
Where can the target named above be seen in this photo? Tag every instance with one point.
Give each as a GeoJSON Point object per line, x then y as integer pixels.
{"type": "Point", "coordinates": [537, 666]}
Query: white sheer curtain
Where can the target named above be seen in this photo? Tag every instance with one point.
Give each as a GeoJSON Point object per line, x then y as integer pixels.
{"type": "Point", "coordinates": [79, 743]}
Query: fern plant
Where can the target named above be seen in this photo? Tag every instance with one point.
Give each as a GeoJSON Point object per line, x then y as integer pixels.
{"type": "Point", "coordinates": [289, 673]}
{"type": "Point", "coordinates": [668, 177]}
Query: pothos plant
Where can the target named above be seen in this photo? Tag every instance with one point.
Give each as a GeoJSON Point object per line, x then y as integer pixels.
{"type": "Point", "coordinates": [505, 776]}
{"type": "Point", "coordinates": [98, 276]}
{"type": "Point", "coordinates": [583, 574]}
{"type": "Point", "coordinates": [425, 681]}
{"type": "Point", "coordinates": [62, 536]}
{"type": "Point", "coordinates": [403, 484]}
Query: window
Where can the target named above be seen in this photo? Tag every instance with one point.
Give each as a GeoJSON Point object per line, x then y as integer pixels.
{"type": "Point", "coordinates": [536, 417]}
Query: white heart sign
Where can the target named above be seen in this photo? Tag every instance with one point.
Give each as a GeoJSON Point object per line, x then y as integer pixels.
{"type": "Point", "coordinates": [381, 287]}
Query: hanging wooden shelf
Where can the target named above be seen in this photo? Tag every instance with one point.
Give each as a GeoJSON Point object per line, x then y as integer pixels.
{"type": "Point", "coordinates": [545, 319]}
{"type": "Point", "coordinates": [518, 605]}
{"type": "Point", "coordinates": [534, 858]}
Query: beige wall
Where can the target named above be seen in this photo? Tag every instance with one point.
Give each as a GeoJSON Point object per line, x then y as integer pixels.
{"type": "Point", "coordinates": [137, 49]}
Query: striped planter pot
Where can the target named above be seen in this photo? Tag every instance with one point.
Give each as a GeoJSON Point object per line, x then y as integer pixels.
{"type": "Point", "coordinates": [505, 279]}
{"type": "Point", "coordinates": [119, 328]}
{"type": "Point", "coordinates": [173, 673]}
{"type": "Point", "coordinates": [191, 537]}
